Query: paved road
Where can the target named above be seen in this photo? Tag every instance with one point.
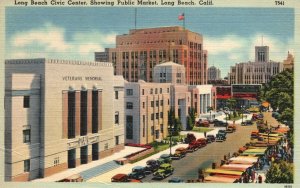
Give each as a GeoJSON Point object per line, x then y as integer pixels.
{"type": "Point", "coordinates": [187, 167]}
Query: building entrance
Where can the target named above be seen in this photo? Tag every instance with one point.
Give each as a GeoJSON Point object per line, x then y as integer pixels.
{"type": "Point", "coordinates": [95, 153]}
{"type": "Point", "coordinates": [72, 158]}
{"type": "Point", "coordinates": [84, 155]}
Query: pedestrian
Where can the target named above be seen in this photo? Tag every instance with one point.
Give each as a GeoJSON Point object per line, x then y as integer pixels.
{"type": "Point", "coordinates": [205, 134]}
{"type": "Point", "coordinates": [259, 179]}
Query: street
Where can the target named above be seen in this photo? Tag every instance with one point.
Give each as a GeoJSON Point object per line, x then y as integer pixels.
{"type": "Point", "coordinates": [187, 168]}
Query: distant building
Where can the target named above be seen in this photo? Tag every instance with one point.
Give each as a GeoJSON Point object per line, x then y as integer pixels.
{"type": "Point", "coordinates": [213, 73]}
{"type": "Point", "coordinates": [136, 53]}
{"type": "Point", "coordinates": [169, 72]}
{"type": "Point", "coordinates": [289, 62]}
{"type": "Point", "coordinates": [102, 56]}
{"type": "Point", "coordinates": [257, 72]}
{"type": "Point", "coordinates": [60, 114]}
{"type": "Point", "coordinates": [245, 94]}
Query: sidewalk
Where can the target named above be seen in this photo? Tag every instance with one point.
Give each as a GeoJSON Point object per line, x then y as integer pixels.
{"type": "Point", "coordinates": [61, 175]}
{"type": "Point", "coordinates": [126, 169]}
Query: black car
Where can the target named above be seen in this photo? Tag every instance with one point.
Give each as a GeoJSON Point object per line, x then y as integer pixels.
{"type": "Point", "coordinates": [152, 166]}
{"type": "Point", "coordinates": [210, 138]}
{"type": "Point", "coordinates": [247, 123]}
{"type": "Point", "coordinates": [219, 123]}
{"type": "Point", "coordinates": [138, 172]}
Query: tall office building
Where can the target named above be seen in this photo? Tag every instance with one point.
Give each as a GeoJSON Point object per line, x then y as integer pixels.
{"type": "Point", "coordinates": [214, 73]}
{"type": "Point", "coordinates": [136, 53]}
{"type": "Point", "coordinates": [60, 114]}
{"type": "Point", "coordinates": [257, 72]}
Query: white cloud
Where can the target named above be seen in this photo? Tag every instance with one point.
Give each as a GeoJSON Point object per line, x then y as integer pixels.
{"type": "Point", "coordinates": [50, 41]}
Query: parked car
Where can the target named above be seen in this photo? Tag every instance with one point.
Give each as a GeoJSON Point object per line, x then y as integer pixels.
{"type": "Point", "coordinates": [152, 166]}
{"type": "Point", "coordinates": [120, 178]}
{"type": "Point", "coordinates": [165, 158]}
{"type": "Point", "coordinates": [72, 178]}
{"type": "Point", "coordinates": [202, 142]}
{"type": "Point", "coordinates": [222, 132]}
{"type": "Point", "coordinates": [190, 137]}
{"type": "Point", "coordinates": [179, 153]}
{"type": "Point", "coordinates": [175, 180]}
{"type": "Point", "coordinates": [229, 130]}
{"type": "Point", "coordinates": [194, 146]}
{"type": "Point", "coordinates": [232, 126]}
{"type": "Point", "coordinates": [254, 134]}
{"type": "Point", "coordinates": [220, 124]}
{"type": "Point", "coordinates": [138, 172]}
{"type": "Point", "coordinates": [220, 137]}
{"type": "Point", "coordinates": [164, 171]}
{"type": "Point", "coordinates": [202, 123]}
{"type": "Point", "coordinates": [210, 138]}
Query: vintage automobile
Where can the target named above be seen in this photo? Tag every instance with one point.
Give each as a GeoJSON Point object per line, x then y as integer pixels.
{"type": "Point", "coordinates": [164, 171]}
{"type": "Point", "coordinates": [194, 146]}
{"type": "Point", "coordinates": [175, 180]}
{"type": "Point", "coordinates": [232, 126]}
{"type": "Point", "coordinates": [138, 172]}
{"type": "Point", "coordinates": [202, 123]}
{"type": "Point", "coordinates": [179, 153]}
{"type": "Point", "coordinates": [254, 134]}
{"type": "Point", "coordinates": [210, 138]}
{"type": "Point", "coordinates": [202, 142]}
{"type": "Point", "coordinates": [219, 123]}
{"type": "Point", "coordinates": [190, 137]}
{"type": "Point", "coordinates": [165, 158]}
{"type": "Point", "coordinates": [120, 178]}
{"type": "Point", "coordinates": [220, 137]}
{"type": "Point", "coordinates": [247, 123]}
{"type": "Point", "coordinates": [152, 166]}
{"type": "Point", "coordinates": [229, 130]}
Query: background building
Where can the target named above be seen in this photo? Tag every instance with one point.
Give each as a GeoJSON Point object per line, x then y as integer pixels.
{"type": "Point", "coordinates": [201, 98]}
{"type": "Point", "coordinates": [213, 73]}
{"type": "Point", "coordinates": [138, 52]}
{"type": "Point", "coordinates": [60, 114]}
{"type": "Point", "coordinates": [289, 62]}
{"type": "Point", "coordinates": [257, 72]}
{"type": "Point", "coordinates": [169, 72]}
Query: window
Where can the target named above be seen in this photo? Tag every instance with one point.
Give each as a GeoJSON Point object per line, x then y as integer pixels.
{"type": "Point", "coordinates": [106, 146]}
{"type": "Point", "coordinates": [157, 115]}
{"type": "Point", "coordinates": [161, 128]}
{"type": "Point", "coordinates": [161, 114]}
{"type": "Point", "coordinates": [160, 90]}
{"type": "Point", "coordinates": [156, 103]}
{"type": "Point", "coordinates": [168, 102]}
{"type": "Point", "coordinates": [56, 161]}
{"type": "Point", "coordinates": [26, 102]}
{"type": "Point", "coordinates": [117, 140]}
{"type": "Point", "coordinates": [151, 91]}
{"type": "Point", "coordinates": [161, 102]}
{"type": "Point", "coordinates": [143, 91]}
{"type": "Point", "coordinates": [116, 117]}
{"type": "Point", "coordinates": [152, 103]}
{"type": "Point", "coordinates": [129, 127]}
{"type": "Point", "coordinates": [152, 130]}
{"type": "Point", "coordinates": [27, 165]}
{"type": "Point", "coordinates": [143, 104]}
{"type": "Point", "coordinates": [129, 105]}
{"type": "Point", "coordinates": [155, 90]}
{"type": "Point", "coordinates": [168, 90]}
{"type": "Point", "coordinates": [116, 94]}
{"type": "Point", "coordinates": [26, 136]}
{"type": "Point", "coordinates": [129, 91]}
{"type": "Point", "coordinates": [152, 116]}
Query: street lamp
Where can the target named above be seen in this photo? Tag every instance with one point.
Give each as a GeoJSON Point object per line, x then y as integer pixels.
{"type": "Point", "coordinates": [170, 127]}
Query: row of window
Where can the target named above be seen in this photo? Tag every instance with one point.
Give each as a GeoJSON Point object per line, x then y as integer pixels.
{"type": "Point", "coordinates": [129, 92]}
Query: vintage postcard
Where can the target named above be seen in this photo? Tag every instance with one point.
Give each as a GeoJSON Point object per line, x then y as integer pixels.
{"type": "Point", "coordinates": [117, 92]}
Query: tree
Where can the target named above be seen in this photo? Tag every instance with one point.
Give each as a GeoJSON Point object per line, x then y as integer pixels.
{"type": "Point", "coordinates": [191, 119]}
{"type": "Point", "coordinates": [281, 172]}
{"type": "Point", "coordinates": [175, 123]}
{"type": "Point", "coordinates": [231, 104]}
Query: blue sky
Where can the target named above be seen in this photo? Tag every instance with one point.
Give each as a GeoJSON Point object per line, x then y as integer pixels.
{"type": "Point", "coordinates": [230, 34]}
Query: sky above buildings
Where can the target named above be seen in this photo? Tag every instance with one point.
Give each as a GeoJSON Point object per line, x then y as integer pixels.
{"type": "Point", "coordinates": [230, 34]}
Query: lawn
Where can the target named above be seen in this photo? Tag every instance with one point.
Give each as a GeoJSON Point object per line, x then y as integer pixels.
{"type": "Point", "coordinates": [202, 129]}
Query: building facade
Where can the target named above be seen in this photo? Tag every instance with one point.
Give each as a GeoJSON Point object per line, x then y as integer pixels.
{"type": "Point", "coordinates": [289, 62]}
{"type": "Point", "coordinates": [136, 53]}
{"type": "Point", "coordinates": [257, 72]}
{"type": "Point", "coordinates": [201, 98]}
{"type": "Point", "coordinates": [169, 72]}
{"type": "Point", "coordinates": [60, 114]}
{"type": "Point", "coordinates": [214, 73]}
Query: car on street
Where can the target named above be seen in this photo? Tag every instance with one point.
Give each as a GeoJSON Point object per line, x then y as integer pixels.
{"type": "Point", "coordinates": [202, 123]}
{"type": "Point", "coordinates": [179, 153]}
{"type": "Point", "coordinates": [175, 180]}
{"type": "Point", "coordinates": [247, 123]}
{"type": "Point", "coordinates": [138, 172]}
{"type": "Point", "coordinates": [220, 137]}
{"type": "Point", "coordinates": [152, 166]}
{"type": "Point", "coordinates": [229, 130]}
{"type": "Point", "coordinates": [194, 146]}
{"type": "Point", "coordinates": [164, 171]}
{"type": "Point", "coordinates": [210, 138]}
{"type": "Point", "coordinates": [219, 123]}
{"type": "Point", "coordinates": [165, 158]}
{"type": "Point", "coordinates": [123, 178]}
{"type": "Point", "coordinates": [202, 142]}
{"type": "Point", "coordinates": [222, 132]}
